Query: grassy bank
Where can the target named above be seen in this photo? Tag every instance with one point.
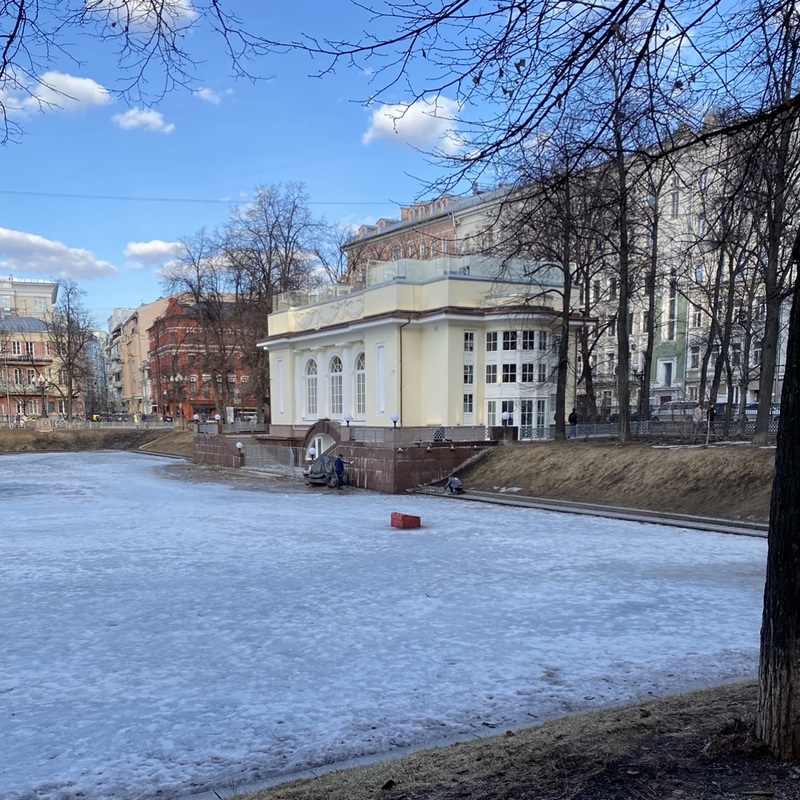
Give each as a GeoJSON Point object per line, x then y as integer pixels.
{"type": "Point", "coordinates": [177, 443]}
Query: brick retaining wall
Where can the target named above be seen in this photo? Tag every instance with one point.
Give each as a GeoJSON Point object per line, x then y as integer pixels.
{"type": "Point", "coordinates": [391, 470]}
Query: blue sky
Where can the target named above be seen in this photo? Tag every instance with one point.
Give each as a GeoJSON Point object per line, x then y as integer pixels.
{"type": "Point", "coordinates": [185, 161]}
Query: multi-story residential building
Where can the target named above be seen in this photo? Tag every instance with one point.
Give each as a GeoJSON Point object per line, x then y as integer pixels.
{"type": "Point", "coordinates": [114, 359]}
{"type": "Point", "coordinates": [439, 342]}
{"type": "Point", "coordinates": [192, 369]}
{"type": "Point", "coordinates": [29, 369]}
{"type": "Point", "coordinates": [128, 357]}
{"type": "Point", "coordinates": [30, 381]}
{"type": "Point", "coordinates": [27, 297]}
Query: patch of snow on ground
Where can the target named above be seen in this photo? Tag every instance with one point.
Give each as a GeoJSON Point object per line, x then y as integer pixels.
{"type": "Point", "coordinates": [171, 637]}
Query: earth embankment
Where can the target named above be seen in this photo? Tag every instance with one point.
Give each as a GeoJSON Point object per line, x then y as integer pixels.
{"type": "Point", "coordinates": [159, 441]}
{"type": "Point", "coordinates": [727, 481]}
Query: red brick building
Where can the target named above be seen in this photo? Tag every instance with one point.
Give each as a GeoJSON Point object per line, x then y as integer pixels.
{"type": "Point", "coordinates": [195, 363]}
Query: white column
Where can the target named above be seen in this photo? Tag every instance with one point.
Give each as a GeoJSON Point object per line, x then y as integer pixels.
{"type": "Point", "coordinates": [348, 379]}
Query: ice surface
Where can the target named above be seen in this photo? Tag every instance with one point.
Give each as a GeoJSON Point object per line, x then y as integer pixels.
{"type": "Point", "coordinates": [173, 635]}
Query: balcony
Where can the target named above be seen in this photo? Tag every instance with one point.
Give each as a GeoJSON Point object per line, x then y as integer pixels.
{"type": "Point", "coordinates": [423, 270]}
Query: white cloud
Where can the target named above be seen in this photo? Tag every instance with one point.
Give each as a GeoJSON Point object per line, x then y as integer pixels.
{"type": "Point", "coordinates": [56, 91]}
{"type": "Point", "coordinates": [424, 124]}
{"type": "Point", "coordinates": [145, 254]}
{"type": "Point", "coordinates": [209, 95]}
{"type": "Point", "coordinates": [144, 14]}
{"type": "Point", "coordinates": [28, 253]}
{"type": "Point", "coordinates": [143, 118]}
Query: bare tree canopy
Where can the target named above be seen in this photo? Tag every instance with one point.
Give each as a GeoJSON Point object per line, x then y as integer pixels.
{"type": "Point", "coordinates": [511, 68]}
{"type": "Point", "coordinates": [148, 41]}
{"type": "Point", "coordinates": [71, 328]}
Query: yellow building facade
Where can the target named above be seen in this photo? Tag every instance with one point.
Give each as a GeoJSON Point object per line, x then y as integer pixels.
{"type": "Point", "coordinates": [425, 343]}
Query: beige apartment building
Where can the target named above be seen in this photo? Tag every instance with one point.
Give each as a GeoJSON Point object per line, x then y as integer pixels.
{"type": "Point", "coordinates": [129, 382]}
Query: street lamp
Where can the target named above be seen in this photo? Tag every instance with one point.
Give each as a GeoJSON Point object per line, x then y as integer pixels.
{"type": "Point", "coordinates": [505, 416]}
{"type": "Point", "coordinates": [240, 450]}
{"type": "Point", "coordinates": [395, 419]}
{"type": "Point", "coordinates": [42, 387]}
{"type": "Point", "coordinates": [347, 419]}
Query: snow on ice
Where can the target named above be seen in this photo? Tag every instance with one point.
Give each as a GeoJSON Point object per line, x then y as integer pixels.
{"type": "Point", "coordinates": [174, 635]}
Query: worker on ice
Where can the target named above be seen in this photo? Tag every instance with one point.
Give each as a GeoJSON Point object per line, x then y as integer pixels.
{"type": "Point", "coordinates": [454, 485]}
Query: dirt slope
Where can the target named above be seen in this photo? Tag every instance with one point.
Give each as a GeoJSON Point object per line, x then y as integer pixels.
{"type": "Point", "coordinates": [726, 481]}
{"type": "Point", "coordinates": [155, 441]}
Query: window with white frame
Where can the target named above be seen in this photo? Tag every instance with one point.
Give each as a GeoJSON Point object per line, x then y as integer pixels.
{"type": "Point", "coordinates": [16, 348]}
{"type": "Point", "coordinates": [672, 311]}
{"type": "Point", "coordinates": [311, 388]}
{"type": "Point", "coordinates": [676, 203]}
{"type": "Point", "coordinates": [694, 357]}
{"type": "Point", "coordinates": [528, 340]}
{"type": "Point", "coordinates": [491, 373]}
{"type": "Point", "coordinates": [469, 374]}
{"type": "Point", "coordinates": [335, 375]}
{"type": "Point", "coordinates": [697, 317]}
{"type": "Point", "coordinates": [527, 373]}
{"type": "Point", "coordinates": [509, 373]}
{"type": "Point", "coordinates": [526, 413]}
{"type": "Point", "coordinates": [18, 376]}
{"type": "Point", "coordinates": [491, 413]}
{"type": "Point", "coordinates": [469, 341]}
{"type": "Point", "coordinates": [31, 376]}
{"type": "Point", "coordinates": [755, 357]}
{"type": "Point", "coordinates": [29, 349]}
{"type": "Point", "coordinates": [542, 377]}
{"type": "Point", "coordinates": [491, 341]}
{"type": "Point", "coordinates": [361, 385]}
{"type": "Point", "coordinates": [468, 403]}
{"type": "Point", "coordinates": [544, 340]}
{"type": "Point", "coordinates": [509, 340]}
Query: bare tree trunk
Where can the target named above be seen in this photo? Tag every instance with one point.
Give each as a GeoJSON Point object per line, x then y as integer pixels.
{"type": "Point", "coordinates": [623, 336]}
{"type": "Point", "coordinates": [778, 720]}
{"type": "Point", "coordinates": [566, 310]}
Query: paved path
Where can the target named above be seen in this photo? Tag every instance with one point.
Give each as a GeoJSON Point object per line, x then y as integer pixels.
{"type": "Point", "coordinates": [738, 527]}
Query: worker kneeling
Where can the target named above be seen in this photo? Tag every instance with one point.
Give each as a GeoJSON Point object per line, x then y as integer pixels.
{"type": "Point", "coordinates": [454, 485]}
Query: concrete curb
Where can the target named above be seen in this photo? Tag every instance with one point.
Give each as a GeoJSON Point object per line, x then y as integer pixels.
{"type": "Point", "coordinates": [736, 527]}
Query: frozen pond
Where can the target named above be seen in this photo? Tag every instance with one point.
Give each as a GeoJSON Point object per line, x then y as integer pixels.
{"type": "Point", "coordinates": [164, 633]}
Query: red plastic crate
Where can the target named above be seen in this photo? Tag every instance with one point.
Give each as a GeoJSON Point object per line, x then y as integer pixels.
{"type": "Point", "coordinates": [405, 520]}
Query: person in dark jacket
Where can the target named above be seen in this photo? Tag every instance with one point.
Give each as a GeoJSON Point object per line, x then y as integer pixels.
{"type": "Point", "coordinates": [338, 468]}
{"type": "Point", "coordinates": [573, 424]}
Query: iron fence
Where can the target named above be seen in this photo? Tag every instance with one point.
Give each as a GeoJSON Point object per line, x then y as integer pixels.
{"type": "Point", "coordinates": [274, 459]}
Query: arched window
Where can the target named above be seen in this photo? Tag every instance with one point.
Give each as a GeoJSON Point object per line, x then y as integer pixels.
{"type": "Point", "coordinates": [311, 389]}
{"type": "Point", "coordinates": [361, 386]}
{"type": "Point", "coordinates": [336, 385]}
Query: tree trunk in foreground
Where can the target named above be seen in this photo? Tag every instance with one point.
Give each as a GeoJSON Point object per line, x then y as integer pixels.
{"type": "Point", "coordinates": [778, 720]}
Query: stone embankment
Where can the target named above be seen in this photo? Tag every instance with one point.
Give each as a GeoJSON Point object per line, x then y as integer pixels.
{"type": "Point", "coordinates": [729, 481]}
